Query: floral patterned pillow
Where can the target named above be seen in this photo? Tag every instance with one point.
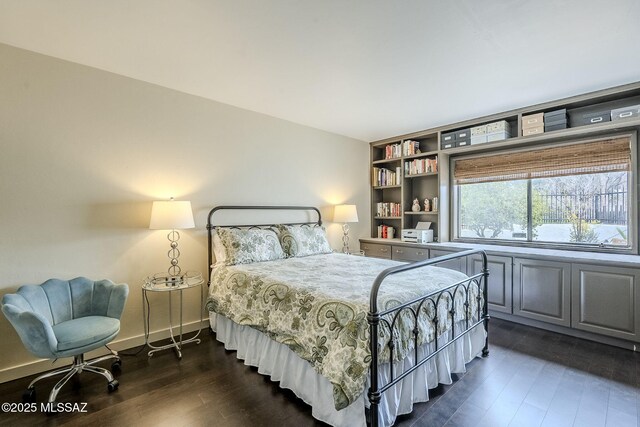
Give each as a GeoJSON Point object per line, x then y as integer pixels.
{"type": "Point", "coordinates": [303, 240]}
{"type": "Point", "coordinates": [247, 246]}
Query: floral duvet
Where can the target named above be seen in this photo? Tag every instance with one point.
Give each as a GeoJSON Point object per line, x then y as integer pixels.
{"type": "Point", "coordinates": [318, 305]}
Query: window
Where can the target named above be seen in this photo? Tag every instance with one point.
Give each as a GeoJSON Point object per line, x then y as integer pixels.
{"type": "Point", "coordinates": [570, 195]}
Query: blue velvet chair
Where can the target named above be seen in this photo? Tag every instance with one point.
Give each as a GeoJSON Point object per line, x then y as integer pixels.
{"type": "Point", "coordinates": [67, 318]}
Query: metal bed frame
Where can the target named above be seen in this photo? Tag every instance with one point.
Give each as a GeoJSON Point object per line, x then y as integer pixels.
{"type": "Point", "coordinates": [389, 317]}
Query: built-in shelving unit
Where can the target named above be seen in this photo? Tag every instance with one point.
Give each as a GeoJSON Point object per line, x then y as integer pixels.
{"type": "Point", "coordinates": [577, 293]}
{"type": "Point", "coordinates": [421, 151]}
{"type": "Point", "coordinates": [428, 145]}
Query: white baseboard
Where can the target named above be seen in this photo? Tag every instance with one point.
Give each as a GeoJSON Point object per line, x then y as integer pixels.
{"type": "Point", "coordinates": [43, 365]}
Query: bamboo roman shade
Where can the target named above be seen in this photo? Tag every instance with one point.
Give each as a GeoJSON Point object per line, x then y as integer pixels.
{"type": "Point", "coordinates": [606, 155]}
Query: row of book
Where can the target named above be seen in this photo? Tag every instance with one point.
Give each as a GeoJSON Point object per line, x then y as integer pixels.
{"type": "Point", "coordinates": [392, 151]}
{"type": "Point", "coordinates": [407, 148]}
{"type": "Point", "coordinates": [382, 177]}
{"type": "Point", "coordinates": [385, 232]}
{"type": "Point", "coordinates": [418, 166]}
{"type": "Point", "coordinates": [388, 209]}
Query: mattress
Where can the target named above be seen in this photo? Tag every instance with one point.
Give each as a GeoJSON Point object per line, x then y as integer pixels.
{"type": "Point", "coordinates": [317, 307]}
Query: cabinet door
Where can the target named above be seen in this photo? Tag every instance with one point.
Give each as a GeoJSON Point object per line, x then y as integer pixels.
{"type": "Point", "coordinates": [459, 264]}
{"type": "Point", "coordinates": [605, 300]}
{"type": "Point", "coordinates": [376, 250]}
{"type": "Point", "coordinates": [500, 279]}
{"type": "Point", "coordinates": [406, 253]}
{"type": "Point", "coordinates": [542, 290]}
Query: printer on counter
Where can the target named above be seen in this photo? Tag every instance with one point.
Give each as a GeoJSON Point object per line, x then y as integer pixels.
{"type": "Point", "coordinates": [420, 234]}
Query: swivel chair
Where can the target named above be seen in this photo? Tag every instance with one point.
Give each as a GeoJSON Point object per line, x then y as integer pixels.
{"type": "Point", "coordinates": [67, 318]}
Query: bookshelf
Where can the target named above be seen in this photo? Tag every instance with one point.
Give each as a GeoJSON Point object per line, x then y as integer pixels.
{"type": "Point", "coordinates": [414, 162]}
{"type": "Point", "coordinates": [428, 146]}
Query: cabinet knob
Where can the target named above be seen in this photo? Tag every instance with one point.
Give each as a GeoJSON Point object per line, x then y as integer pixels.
{"type": "Point", "coordinates": [384, 250]}
{"type": "Point", "coordinates": [419, 253]}
{"type": "Point", "coordinates": [399, 251]}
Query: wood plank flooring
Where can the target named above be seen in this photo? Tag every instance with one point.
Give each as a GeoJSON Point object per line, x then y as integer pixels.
{"type": "Point", "coordinates": [531, 378]}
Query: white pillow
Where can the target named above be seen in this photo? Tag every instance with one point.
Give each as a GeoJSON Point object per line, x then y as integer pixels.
{"type": "Point", "coordinates": [220, 255]}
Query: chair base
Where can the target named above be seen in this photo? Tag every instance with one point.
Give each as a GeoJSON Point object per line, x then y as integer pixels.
{"type": "Point", "coordinates": [78, 366]}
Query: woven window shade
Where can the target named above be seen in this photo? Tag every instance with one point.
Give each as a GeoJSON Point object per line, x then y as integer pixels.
{"type": "Point", "coordinates": [607, 155]}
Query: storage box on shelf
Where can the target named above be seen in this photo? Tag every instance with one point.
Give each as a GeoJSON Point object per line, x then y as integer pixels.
{"type": "Point", "coordinates": [555, 120]}
{"type": "Point", "coordinates": [463, 137]}
{"type": "Point", "coordinates": [458, 138]}
{"type": "Point", "coordinates": [479, 134]}
{"type": "Point", "coordinates": [448, 140]}
{"type": "Point", "coordinates": [494, 131]}
{"type": "Point", "coordinates": [532, 124]}
{"type": "Point", "coordinates": [623, 113]}
{"type": "Point", "coordinates": [498, 131]}
{"type": "Point", "coordinates": [595, 117]}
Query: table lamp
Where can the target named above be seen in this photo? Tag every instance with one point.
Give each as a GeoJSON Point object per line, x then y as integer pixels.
{"type": "Point", "coordinates": [172, 215]}
{"type": "Point", "coordinates": [345, 214]}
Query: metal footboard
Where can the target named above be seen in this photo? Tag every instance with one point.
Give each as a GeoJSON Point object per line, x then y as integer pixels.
{"type": "Point", "coordinates": [416, 307]}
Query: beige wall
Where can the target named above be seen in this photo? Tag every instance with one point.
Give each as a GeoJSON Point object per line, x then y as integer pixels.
{"type": "Point", "coordinates": [84, 152]}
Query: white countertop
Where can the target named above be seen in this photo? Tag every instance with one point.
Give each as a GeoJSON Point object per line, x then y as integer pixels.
{"type": "Point", "coordinates": [529, 252]}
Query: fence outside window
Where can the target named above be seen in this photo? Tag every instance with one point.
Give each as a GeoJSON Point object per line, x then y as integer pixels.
{"type": "Point", "coordinates": [604, 208]}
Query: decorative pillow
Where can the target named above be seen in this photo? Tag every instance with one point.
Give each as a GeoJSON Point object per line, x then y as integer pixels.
{"type": "Point", "coordinates": [219, 251]}
{"type": "Point", "coordinates": [252, 245]}
{"type": "Point", "coordinates": [303, 240]}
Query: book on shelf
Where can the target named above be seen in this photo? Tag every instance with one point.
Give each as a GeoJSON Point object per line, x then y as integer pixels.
{"type": "Point", "coordinates": [392, 151]}
{"type": "Point", "coordinates": [385, 232]}
{"type": "Point", "coordinates": [381, 177]}
{"type": "Point", "coordinates": [420, 166]}
{"type": "Point", "coordinates": [410, 147]}
{"type": "Point", "coordinates": [388, 209]}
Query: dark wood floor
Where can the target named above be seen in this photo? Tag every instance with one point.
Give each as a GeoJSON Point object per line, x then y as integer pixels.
{"type": "Point", "coordinates": [531, 378]}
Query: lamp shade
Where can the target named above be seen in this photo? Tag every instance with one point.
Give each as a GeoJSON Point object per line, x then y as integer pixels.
{"type": "Point", "coordinates": [171, 215]}
{"type": "Point", "coordinates": [345, 213]}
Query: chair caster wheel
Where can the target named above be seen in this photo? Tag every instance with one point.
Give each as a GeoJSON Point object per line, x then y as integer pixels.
{"type": "Point", "coordinates": [113, 386]}
{"type": "Point", "coordinates": [29, 396]}
{"type": "Point", "coordinates": [116, 366]}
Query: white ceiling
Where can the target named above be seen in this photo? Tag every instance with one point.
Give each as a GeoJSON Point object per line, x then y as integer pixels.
{"type": "Point", "coordinates": [363, 68]}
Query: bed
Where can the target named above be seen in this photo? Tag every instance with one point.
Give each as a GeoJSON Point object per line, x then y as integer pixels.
{"type": "Point", "coordinates": [359, 339]}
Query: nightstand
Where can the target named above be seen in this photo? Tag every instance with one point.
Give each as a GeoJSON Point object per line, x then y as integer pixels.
{"type": "Point", "coordinates": [161, 282]}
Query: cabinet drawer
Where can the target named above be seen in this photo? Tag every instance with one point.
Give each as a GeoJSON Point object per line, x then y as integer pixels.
{"type": "Point", "coordinates": [403, 253]}
{"type": "Point", "coordinates": [376, 250]}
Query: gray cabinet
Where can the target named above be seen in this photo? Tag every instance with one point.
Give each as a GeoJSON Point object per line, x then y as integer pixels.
{"type": "Point", "coordinates": [406, 253]}
{"type": "Point", "coordinates": [376, 250]}
{"type": "Point", "coordinates": [606, 301]}
{"type": "Point", "coordinates": [500, 280]}
{"type": "Point", "coordinates": [458, 264]}
{"type": "Point", "coordinates": [542, 290]}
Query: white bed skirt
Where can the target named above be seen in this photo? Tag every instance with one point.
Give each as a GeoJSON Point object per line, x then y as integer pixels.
{"type": "Point", "coordinates": [281, 364]}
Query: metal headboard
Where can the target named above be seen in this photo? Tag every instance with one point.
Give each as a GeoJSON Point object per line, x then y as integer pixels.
{"type": "Point", "coordinates": [211, 225]}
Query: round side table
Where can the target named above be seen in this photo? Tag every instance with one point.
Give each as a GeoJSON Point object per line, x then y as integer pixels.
{"type": "Point", "coordinates": [162, 282]}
